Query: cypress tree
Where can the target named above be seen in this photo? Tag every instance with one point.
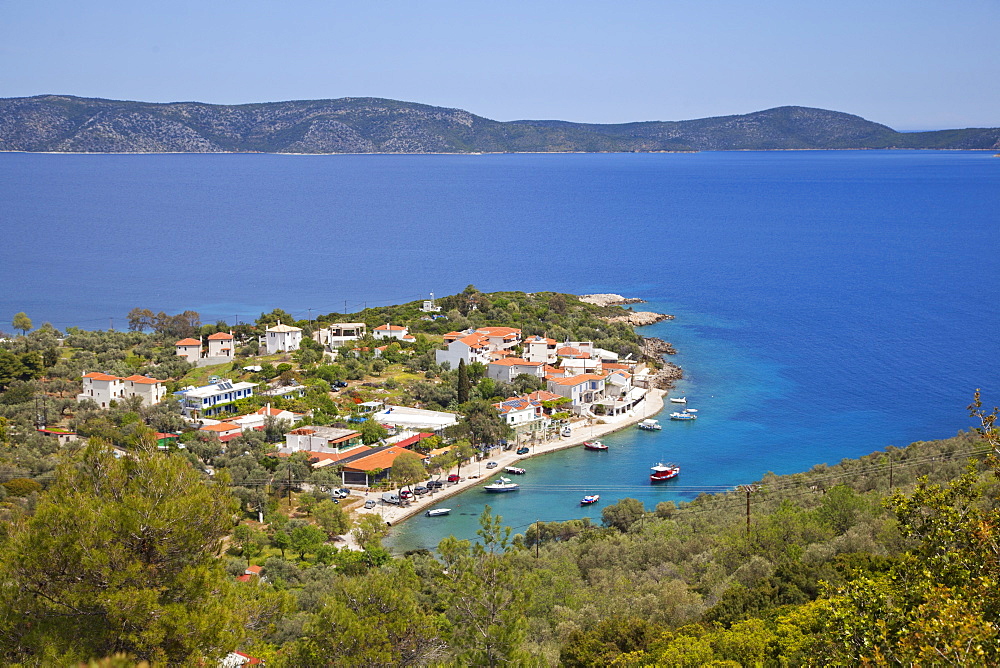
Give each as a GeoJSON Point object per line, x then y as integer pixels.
{"type": "Point", "coordinates": [463, 382]}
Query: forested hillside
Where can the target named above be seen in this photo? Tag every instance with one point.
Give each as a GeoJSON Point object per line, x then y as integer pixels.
{"type": "Point", "coordinates": [65, 123]}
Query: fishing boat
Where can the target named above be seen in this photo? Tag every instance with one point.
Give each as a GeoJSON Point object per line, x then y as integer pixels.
{"type": "Point", "coordinates": [589, 499]}
{"type": "Point", "coordinates": [437, 512]}
{"type": "Point", "coordinates": [594, 445]}
{"type": "Point", "coordinates": [515, 470]}
{"type": "Point", "coordinates": [679, 400]}
{"type": "Point", "coordinates": [502, 485]}
{"type": "Point", "coordinates": [650, 425]}
{"type": "Point", "coordinates": [662, 472]}
{"type": "Point", "coordinates": [683, 415]}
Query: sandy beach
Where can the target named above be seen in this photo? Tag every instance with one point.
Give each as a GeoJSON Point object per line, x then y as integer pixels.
{"type": "Point", "coordinates": [583, 430]}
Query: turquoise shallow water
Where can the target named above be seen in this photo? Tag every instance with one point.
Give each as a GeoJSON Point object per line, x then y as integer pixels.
{"type": "Point", "coordinates": [828, 303]}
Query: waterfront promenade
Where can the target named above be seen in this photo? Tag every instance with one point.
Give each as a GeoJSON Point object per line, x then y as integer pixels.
{"type": "Point", "coordinates": [583, 430]}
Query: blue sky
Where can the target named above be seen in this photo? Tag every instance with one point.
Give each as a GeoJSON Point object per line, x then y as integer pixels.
{"type": "Point", "coordinates": [911, 65]}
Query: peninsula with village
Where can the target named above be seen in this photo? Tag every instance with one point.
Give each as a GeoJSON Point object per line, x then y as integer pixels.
{"type": "Point", "coordinates": [322, 422]}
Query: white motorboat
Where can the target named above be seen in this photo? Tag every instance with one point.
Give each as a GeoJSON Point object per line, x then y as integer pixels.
{"type": "Point", "coordinates": [683, 416]}
{"type": "Point", "coordinates": [679, 400]}
{"type": "Point", "coordinates": [437, 512]}
{"type": "Point", "coordinates": [650, 425]}
{"type": "Point", "coordinates": [502, 485]}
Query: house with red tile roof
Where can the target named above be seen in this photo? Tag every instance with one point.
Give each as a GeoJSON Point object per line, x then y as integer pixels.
{"type": "Point", "coordinates": [388, 331]}
{"type": "Point", "coordinates": [526, 414]}
{"type": "Point", "coordinates": [221, 344]}
{"type": "Point", "coordinates": [224, 431]}
{"type": "Point", "coordinates": [581, 390]}
{"type": "Point", "coordinates": [477, 345]}
{"type": "Point", "coordinates": [189, 349]}
{"type": "Point", "coordinates": [102, 389]}
{"type": "Point", "coordinates": [509, 368]}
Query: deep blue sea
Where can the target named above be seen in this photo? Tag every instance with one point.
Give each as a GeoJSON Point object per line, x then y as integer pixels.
{"type": "Point", "coordinates": [828, 303]}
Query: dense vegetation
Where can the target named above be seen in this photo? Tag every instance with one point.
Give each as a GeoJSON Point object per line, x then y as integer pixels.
{"type": "Point", "coordinates": [372, 125]}
{"type": "Point", "coordinates": [891, 559]}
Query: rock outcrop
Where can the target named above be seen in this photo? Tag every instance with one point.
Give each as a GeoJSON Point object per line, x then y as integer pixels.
{"type": "Point", "coordinates": [639, 318]}
{"type": "Point", "coordinates": [606, 299]}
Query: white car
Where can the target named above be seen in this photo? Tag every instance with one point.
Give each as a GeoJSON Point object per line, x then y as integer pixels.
{"type": "Point", "coordinates": [491, 465]}
{"type": "Point", "coordinates": [566, 431]}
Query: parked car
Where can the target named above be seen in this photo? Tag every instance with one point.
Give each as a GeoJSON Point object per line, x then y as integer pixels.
{"type": "Point", "coordinates": [406, 494]}
{"type": "Point", "coordinates": [369, 504]}
{"type": "Point", "coordinates": [434, 484]}
{"type": "Point", "coordinates": [391, 497]}
{"type": "Point", "coordinates": [453, 477]}
{"type": "Point", "coordinates": [339, 383]}
{"type": "Point", "coordinates": [491, 465]}
{"type": "Point", "coordinates": [522, 451]}
{"type": "Point", "coordinates": [341, 493]}
{"type": "Point", "coordinates": [420, 489]}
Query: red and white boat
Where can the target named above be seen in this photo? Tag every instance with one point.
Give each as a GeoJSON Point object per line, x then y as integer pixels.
{"type": "Point", "coordinates": [662, 472]}
{"type": "Point", "coordinates": [590, 499]}
{"type": "Point", "coordinates": [594, 445]}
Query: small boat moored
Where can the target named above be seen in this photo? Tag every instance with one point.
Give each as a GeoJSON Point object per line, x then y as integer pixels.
{"type": "Point", "coordinates": [679, 400]}
{"type": "Point", "coordinates": [662, 472]}
{"type": "Point", "coordinates": [437, 512]}
{"type": "Point", "coordinates": [589, 499]}
{"type": "Point", "coordinates": [502, 485]}
{"type": "Point", "coordinates": [515, 470]}
{"type": "Point", "coordinates": [650, 425]}
{"type": "Point", "coordinates": [683, 415]}
{"type": "Point", "coordinates": [594, 445]}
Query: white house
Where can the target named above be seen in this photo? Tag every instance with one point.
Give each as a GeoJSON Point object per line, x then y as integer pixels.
{"type": "Point", "coordinates": [221, 344]}
{"type": "Point", "coordinates": [526, 414]}
{"type": "Point", "coordinates": [213, 399]}
{"type": "Point", "coordinates": [101, 388]}
{"type": "Point", "coordinates": [540, 349]}
{"type": "Point", "coordinates": [282, 337]}
{"type": "Point", "coordinates": [151, 390]}
{"type": "Point", "coordinates": [337, 334]}
{"type": "Point", "coordinates": [388, 331]}
{"type": "Point", "coordinates": [580, 390]}
{"type": "Point", "coordinates": [189, 349]}
{"type": "Point", "coordinates": [509, 368]}
{"type": "Point", "coordinates": [320, 439]}
{"type": "Point", "coordinates": [574, 366]}
{"type": "Point", "coordinates": [471, 348]}
{"type": "Point", "coordinates": [501, 338]}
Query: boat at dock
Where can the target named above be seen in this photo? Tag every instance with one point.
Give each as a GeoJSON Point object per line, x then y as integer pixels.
{"type": "Point", "coordinates": [590, 499]}
{"type": "Point", "coordinates": [661, 472]}
{"type": "Point", "coordinates": [650, 425]}
{"type": "Point", "coordinates": [683, 415]}
{"type": "Point", "coordinates": [502, 485]}
{"type": "Point", "coordinates": [515, 470]}
{"type": "Point", "coordinates": [437, 512]}
{"type": "Point", "coordinates": [594, 445]}
{"type": "Point", "coordinates": [679, 400]}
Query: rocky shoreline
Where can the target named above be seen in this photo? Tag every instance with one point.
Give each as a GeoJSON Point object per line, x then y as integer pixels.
{"type": "Point", "coordinates": [639, 318]}
{"type": "Point", "coordinates": [607, 299]}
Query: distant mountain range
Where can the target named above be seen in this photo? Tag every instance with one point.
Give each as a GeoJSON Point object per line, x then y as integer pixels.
{"type": "Point", "coordinates": [64, 123]}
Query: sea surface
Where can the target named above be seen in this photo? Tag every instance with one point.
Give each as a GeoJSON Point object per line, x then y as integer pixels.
{"type": "Point", "coordinates": [828, 304]}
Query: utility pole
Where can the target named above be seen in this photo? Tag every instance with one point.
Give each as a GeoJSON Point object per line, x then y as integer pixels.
{"type": "Point", "coordinates": [890, 473]}
{"type": "Point", "coordinates": [538, 537]}
{"type": "Point", "coordinates": [749, 489]}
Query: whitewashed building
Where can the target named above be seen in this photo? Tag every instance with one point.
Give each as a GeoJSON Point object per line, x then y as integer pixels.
{"type": "Point", "coordinates": [189, 349]}
{"type": "Point", "coordinates": [509, 368]}
{"type": "Point", "coordinates": [388, 331]}
{"type": "Point", "coordinates": [282, 338]}
{"type": "Point", "coordinates": [220, 345]}
{"type": "Point", "coordinates": [209, 400]}
{"type": "Point", "coordinates": [102, 389]}
{"type": "Point", "coordinates": [580, 390]}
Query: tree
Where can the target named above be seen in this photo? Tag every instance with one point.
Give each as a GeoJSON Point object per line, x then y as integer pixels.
{"type": "Point", "coordinates": [371, 620]}
{"type": "Point", "coordinates": [407, 469]}
{"type": "Point", "coordinates": [623, 514]}
{"type": "Point", "coordinates": [463, 382]}
{"type": "Point", "coordinates": [281, 541]}
{"type": "Point", "coordinates": [251, 542]}
{"type": "Point", "coordinates": [484, 599]}
{"type": "Point", "coordinates": [483, 424]}
{"type": "Point", "coordinates": [119, 557]}
{"type": "Point", "coordinates": [372, 432]}
{"type": "Point", "coordinates": [370, 531]}
{"type": "Point", "coordinates": [22, 322]}
{"type": "Point", "coordinates": [463, 452]}
{"type": "Point", "coordinates": [306, 539]}
{"type": "Point", "coordinates": [332, 518]}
